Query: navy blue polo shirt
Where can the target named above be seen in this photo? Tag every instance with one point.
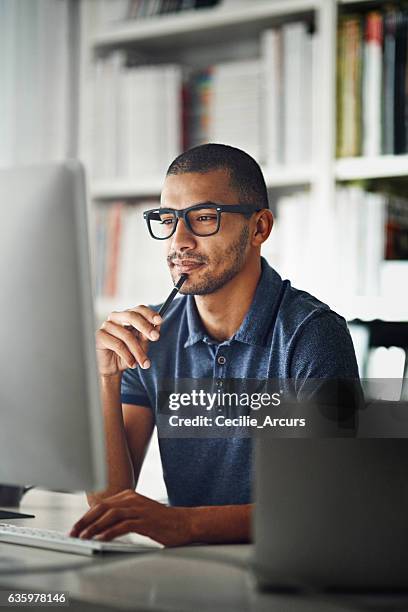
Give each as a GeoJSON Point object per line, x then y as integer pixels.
{"type": "Point", "coordinates": [287, 333]}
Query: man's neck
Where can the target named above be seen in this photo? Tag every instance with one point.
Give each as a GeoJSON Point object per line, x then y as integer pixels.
{"type": "Point", "coordinates": [222, 312]}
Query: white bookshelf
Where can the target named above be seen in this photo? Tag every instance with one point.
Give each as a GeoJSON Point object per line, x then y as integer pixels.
{"type": "Point", "coordinates": [345, 169]}
{"type": "Point", "coordinates": [354, 1]}
{"type": "Point", "coordinates": [352, 168]}
{"type": "Point", "coordinates": [192, 27]}
{"type": "Point", "coordinates": [116, 189]}
{"type": "Point", "coordinates": [278, 176]}
{"type": "Point", "coordinates": [286, 176]}
{"type": "Point", "coordinates": [181, 34]}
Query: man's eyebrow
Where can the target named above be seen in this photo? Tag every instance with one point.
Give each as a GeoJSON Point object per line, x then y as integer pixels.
{"type": "Point", "coordinates": [206, 202]}
{"type": "Point", "coordinates": [196, 204]}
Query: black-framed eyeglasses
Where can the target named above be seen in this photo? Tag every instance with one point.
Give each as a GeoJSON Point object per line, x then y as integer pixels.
{"type": "Point", "coordinates": [201, 219]}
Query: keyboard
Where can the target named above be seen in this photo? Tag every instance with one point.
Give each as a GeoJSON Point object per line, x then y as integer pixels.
{"type": "Point", "coordinates": [58, 540]}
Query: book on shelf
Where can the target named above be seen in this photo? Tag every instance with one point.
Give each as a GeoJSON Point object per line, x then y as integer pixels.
{"type": "Point", "coordinates": [397, 228]}
{"type": "Point", "coordinates": [297, 92]}
{"type": "Point", "coordinates": [272, 95]}
{"type": "Point", "coordinates": [99, 248]}
{"type": "Point", "coordinates": [373, 261]}
{"type": "Point", "coordinates": [359, 223]}
{"type": "Point", "coordinates": [144, 115]}
{"type": "Point", "coordinates": [401, 83]}
{"type": "Point", "coordinates": [113, 238]}
{"type": "Point", "coordinates": [348, 218]}
{"type": "Point", "coordinates": [373, 251]}
{"type": "Point", "coordinates": [389, 79]}
{"type": "Point", "coordinates": [288, 248]}
{"type": "Point", "coordinates": [135, 117]}
{"type": "Point", "coordinates": [235, 96]}
{"type": "Point", "coordinates": [262, 105]}
{"type": "Point", "coordinates": [109, 12]}
{"type": "Point", "coordinates": [372, 82]}
{"type": "Point", "coordinates": [224, 105]}
{"type": "Point", "coordinates": [349, 86]}
{"type": "Point", "coordinates": [106, 116]}
{"type": "Point", "coordinates": [365, 232]}
{"type": "Point", "coordinates": [125, 255]}
{"type": "Point", "coordinates": [139, 9]}
{"type": "Point", "coordinates": [197, 91]}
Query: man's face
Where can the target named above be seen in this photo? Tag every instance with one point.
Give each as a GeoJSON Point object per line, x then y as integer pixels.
{"type": "Point", "coordinates": [210, 261]}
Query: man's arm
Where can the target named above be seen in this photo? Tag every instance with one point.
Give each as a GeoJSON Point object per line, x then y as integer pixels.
{"type": "Point", "coordinates": [119, 509]}
{"type": "Point", "coordinates": [128, 430]}
{"type": "Point", "coordinates": [121, 343]}
{"type": "Point", "coordinates": [129, 511]}
{"type": "Point", "coordinates": [214, 524]}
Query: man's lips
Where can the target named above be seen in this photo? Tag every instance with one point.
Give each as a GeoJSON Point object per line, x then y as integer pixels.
{"type": "Point", "coordinates": [186, 266]}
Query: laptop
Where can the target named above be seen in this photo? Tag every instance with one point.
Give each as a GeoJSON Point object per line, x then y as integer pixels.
{"type": "Point", "coordinates": [331, 513]}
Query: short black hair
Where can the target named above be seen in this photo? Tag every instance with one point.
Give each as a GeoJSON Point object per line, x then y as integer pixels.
{"type": "Point", "coordinates": [245, 174]}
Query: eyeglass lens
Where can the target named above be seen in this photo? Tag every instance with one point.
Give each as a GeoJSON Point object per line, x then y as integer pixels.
{"type": "Point", "coordinates": [203, 222]}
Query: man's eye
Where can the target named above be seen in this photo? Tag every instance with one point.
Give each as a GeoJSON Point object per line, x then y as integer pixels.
{"type": "Point", "coordinates": [167, 221]}
{"type": "Point", "coordinates": [204, 218]}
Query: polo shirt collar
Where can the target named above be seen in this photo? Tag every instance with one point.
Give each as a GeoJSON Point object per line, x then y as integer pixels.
{"type": "Point", "coordinates": [256, 325]}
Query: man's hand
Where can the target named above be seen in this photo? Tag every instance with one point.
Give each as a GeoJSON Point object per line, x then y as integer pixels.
{"type": "Point", "coordinates": [123, 338]}
{"type": "Point", "coordinates": [128, 512]}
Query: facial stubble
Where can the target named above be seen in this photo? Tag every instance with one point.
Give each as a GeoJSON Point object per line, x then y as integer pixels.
{"type": "Point", "coordinates": [233, 257]}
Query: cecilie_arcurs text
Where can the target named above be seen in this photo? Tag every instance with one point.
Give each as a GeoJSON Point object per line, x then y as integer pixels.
{"type": "Point", "coordinates": [239, 421]}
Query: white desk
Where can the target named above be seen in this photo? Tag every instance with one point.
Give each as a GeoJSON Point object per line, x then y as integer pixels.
{"type": "Point", "coordinates": [204, 578]}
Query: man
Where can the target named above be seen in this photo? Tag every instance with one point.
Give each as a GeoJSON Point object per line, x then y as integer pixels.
{"type": "Point", "coordinates": [237, 319]}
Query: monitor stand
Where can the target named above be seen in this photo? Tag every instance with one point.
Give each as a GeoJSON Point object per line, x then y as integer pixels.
{"type": "Point", "coordinates": [9, 514]}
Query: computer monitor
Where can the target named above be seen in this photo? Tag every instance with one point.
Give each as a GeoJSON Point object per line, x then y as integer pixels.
{"type": "Point", "coordinates": [51, 425]}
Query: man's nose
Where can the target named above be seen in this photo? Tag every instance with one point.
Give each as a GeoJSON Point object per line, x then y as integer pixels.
{"type": "Point", "coordinates": [182, 238]}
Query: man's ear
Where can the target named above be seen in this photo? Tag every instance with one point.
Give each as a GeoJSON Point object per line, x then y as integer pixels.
{"type": "Point", "coordinates": [263, 226]}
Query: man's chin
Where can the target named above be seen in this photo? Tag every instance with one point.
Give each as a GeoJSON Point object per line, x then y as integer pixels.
{"type": "Point", "coordinates": [191, 284]}
{"type": "Point", "coordinates": [192, 287]}
{"type": "Point", "coordinates": [205, 287]}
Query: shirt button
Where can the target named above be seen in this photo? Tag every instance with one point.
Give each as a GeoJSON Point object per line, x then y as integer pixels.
{"type": "Point", "coordinates": [221, 360]}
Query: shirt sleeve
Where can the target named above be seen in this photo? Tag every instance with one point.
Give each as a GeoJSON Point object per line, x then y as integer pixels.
{"type": "Point", "coordinates": [323, 348]}
{"type": "Point", "coordinates": [133, 389]}
{"type": "Point", "coordinates": [323, 363]}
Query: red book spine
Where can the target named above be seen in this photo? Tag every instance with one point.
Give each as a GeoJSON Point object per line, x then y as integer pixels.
{"type": "Point", "coordinates": [374, 27]}
{"type": "Point", "coordinates": [112, 255]}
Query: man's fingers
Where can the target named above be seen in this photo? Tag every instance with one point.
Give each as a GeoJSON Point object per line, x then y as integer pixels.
{"type": "Point", "coordinates": [122, 528]}
{"type": "Point", "coordinates": [107, 520]}
{"type": "Point", "coordinates": [149, 314]}
{"type": "Point", "coordinates": [88, 518]}
{"type": "Point", "coordinates": [128, 339]}
{"type": "Point", "coordinates": [106, 340]}
{"type": "Point", "coordinates": [138, 320]}
{"type": "Point", "coordinates": [118, 500]}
